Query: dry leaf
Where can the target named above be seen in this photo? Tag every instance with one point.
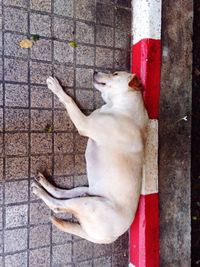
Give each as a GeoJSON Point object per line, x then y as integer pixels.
{"type": "Point", "coordinates": [26, 43]}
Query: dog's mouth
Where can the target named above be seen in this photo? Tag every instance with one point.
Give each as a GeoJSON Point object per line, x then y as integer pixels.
{"type": "Point", "coordinates": [96, 82]}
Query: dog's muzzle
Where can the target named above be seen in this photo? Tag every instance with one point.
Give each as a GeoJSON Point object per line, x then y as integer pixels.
{"type": "Point", "coordinates": [95, 79]}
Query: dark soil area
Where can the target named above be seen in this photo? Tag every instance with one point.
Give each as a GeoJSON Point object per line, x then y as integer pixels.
{"type": "Point", "coordinates": [195, 194]}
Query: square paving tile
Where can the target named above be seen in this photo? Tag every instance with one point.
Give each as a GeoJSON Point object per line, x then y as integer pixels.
{"type": "Point", "coordinates": [80, 143]}
{"type": "Point", "coordinates": [85, 55]}
{"type": "Point", "coordinates": [123, 19]}
{"type": "Point", "coordinates": [104, 36]}
{"type": "Point", "coordinates": [39, 213]}
{"type": "Point", "coordinates": [19, 259]}
{"type": "Point", "coordinates": [1, 169]}
{"type": "Point", "coordinates": [16, 168]}
{"type": "Point", "coordinates": [1, 68]}
{"type": "Point", "coordinates": [84, 99]}
{"type": "Point", "coordinates": [63, 165]}
{"type": "Point", "coordinates": [105, 14]}
{"type": "Point", "coordinates": [63, 52]}
{"type": "Point", "coordinates": [61, 255]}
{"type": "Point", "coordinates": [86, 10]}
{"type": "Point", "coordinates": [104, 57]}
{"type": "Point", "coordinates": [40, 257]}
{"type": "Point", "coordinates": [119, 260]}
{"type": "Point", "coordinates": [41, 120]}
{"type": "Point", "coordinates": [40, 24]}
{"type": "Point", "coordinates": [41, 143]}
{"type": "Point", "coordinates": [84, 78]}
{"type": "Point", "coordinates": [42, 50]}
{"type": "Point", "coordinates": [101, 250]}
{"type": "Point", "coordinates": [16, 144]}
{"type": "Point", "coordinates": [1, 242]}
{"type": "Point", "coordinates": [84, 264]}
{"type": "Point", "coordinates": [64, 74]}
{"type": "Point", "coordinates": [80, 165]}
{"type": "Point", "coordinates": [64, 8]}
{"type": "Point", "coordinates": [82, 250]}
{"type": "Point", "coordinates": [41, 97]}
{"type": "Point", "coordinates": [41, 5]}
{"type": "Point", "coordinates": [1, 144]}
{"type": "Point", "coordinates": [16, 95]}
{"type": "Point", "coordinates": [1, 120]}
{"type": "Point", "coordinates": [16, 70]}
{"type": "Point", "coordinates": [63, 28]}
{"type": "Point", "coordinates": [63, 143]}
{"type": "Point", "coordinates": [85, 32]}
{"type": "Point", "coordinates": [122, 60]}
{"type": "Point", "coordinates": [59, 237]}
{"type": "Point", "coordinates": [12, 47]}
{"type": "Point", "coordinates": [62, 121]}
{"type": "Point", "coordinates": [17, 3]}
{"type": "Point", "coordinates": [1, 95]}
{"type": "Point", "coordinates": [1, 218]}
{"type": "Point", "coordinates": [105, 262]}
{"type": "Point", "coordinates": [64, 182]}
{"type": "Point", "coordinates": [16, 196]}
{"type": "Point", "coordinates": [124, 3]}
{"type": "Point", "coordinates": [42, 163]}
{"type": "Point", "coordinates": [16, 119]}
{"type": "Point", "coordinates": [15, 20]}
{"type": "Point", "coordinates": [39, 72]}
{"type": "Point", "coordinates": [15, 240]}
{"type": "Point", "coordinates": [16, 216]}
{"type": "Point", "coordinates": [80, 180]}
{"type": "Point", "coordinates": [39, 236]}
{"type": "Point", "coordinates": [122, 39]}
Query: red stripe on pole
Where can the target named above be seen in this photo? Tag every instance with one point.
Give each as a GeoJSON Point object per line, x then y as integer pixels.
{"type": "Point", "coordinates": [146, 60]}
{"type": "Point", "coordinates": [144, 233]}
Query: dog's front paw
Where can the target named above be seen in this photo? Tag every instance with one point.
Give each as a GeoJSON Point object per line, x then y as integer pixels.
{"type": "Point", "coordinates": [53, 85]}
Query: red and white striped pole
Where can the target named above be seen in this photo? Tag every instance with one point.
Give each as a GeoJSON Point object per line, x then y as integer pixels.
{"type": "Point", "coordinates": [146, 63]}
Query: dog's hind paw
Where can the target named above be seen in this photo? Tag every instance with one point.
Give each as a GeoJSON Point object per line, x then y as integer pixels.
{"type": "Point", "coordinates": [39, 177]}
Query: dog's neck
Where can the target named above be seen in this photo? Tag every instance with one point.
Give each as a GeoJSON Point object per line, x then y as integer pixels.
{"type": "Point", "coordinates": [125, 102]}
{"type": "Point", "coordinates": [128, 104]}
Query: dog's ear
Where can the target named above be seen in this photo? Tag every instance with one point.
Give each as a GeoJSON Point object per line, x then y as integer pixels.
{"type": "Point", "coordinates": [135, 83]}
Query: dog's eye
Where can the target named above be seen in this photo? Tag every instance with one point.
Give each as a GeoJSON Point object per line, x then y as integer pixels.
{"type": "Point", "coordinates": [115, 73]}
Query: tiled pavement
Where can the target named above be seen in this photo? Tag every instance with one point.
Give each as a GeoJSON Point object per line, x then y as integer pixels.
{"type": "Point", "coordinates": [35, 131]}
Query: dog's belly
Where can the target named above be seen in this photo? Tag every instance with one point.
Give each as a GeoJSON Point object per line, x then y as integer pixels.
{"type": "Point", "coordinates": [113, 175]}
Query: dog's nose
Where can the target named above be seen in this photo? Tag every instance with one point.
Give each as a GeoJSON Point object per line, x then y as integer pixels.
{"type": "Point", "coordinates": [95, 72]}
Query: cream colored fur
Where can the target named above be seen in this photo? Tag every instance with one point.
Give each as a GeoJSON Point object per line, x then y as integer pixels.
{"type": "Point", "coordinates": [114, 156]}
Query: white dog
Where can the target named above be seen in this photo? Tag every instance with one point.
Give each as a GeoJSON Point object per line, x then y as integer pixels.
{"type": "Point", "coordinates": [114, 158]}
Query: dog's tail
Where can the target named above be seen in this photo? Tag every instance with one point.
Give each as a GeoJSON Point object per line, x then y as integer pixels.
{"type": "Point", "coordinates": [69, 227]}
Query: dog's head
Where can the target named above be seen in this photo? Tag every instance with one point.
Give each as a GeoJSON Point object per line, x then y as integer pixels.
{"type": "Point", "coordinates": [117, 83]}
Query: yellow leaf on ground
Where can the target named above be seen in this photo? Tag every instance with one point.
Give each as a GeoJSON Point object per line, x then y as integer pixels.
{"type": "Point", "coordinates": [26, 43]}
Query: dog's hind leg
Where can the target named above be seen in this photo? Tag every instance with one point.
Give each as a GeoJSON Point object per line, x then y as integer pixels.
{"type": "Point", "coordinates": [58, 192]}
{"type": "Point", "coordinates": [69, 227]}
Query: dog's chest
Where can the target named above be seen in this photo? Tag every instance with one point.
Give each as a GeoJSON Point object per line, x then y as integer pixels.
{"type": "Point", "coordinates": [91, 151]}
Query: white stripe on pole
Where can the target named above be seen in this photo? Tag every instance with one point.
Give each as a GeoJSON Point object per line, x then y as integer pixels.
{"type": "Point", "coordinates": [146, 19]}
{"type": "Point", "coordinates": [150, 169]}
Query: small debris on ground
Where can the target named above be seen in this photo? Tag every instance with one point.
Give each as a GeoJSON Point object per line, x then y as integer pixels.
{"type": "Point", "coordinates": [26, 43]}
{"type": "Point", "coordinates": [35, 37]}
{"type": "Point", "coordinates": [48, 128]}
{"type": "Point", "coordinates": [73, 44]}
